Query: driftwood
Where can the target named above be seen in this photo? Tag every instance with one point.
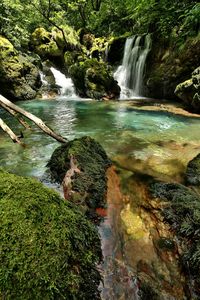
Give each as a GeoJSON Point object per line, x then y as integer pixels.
{"type": "Point", "coordinates": [16, 111]}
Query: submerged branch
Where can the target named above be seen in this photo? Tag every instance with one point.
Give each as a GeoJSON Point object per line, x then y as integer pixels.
{"type": "Point", "coordinates": [16, 115]}
{"type": "Point", "coordinates": [36, 120]}
{"type": "Point", "coordinates": [11, 134]}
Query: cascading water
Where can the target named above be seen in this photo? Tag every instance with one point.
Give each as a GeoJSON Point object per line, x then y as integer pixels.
{"type": "Point", "coordinates": [66, 85]}
{"type": "Point", "coordinates": [130, 74]}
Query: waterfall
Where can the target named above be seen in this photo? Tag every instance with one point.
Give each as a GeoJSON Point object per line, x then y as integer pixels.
{"type": "Point", "coordinates": [131, 73]}
{"type": "Point", "coordinates": [66, 85]}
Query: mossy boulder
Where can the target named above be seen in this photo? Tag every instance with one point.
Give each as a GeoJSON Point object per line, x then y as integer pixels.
{"type": "Point", "coordinates": [52, 45]}
{"type": "Point", "coordinates": [48, 249]}
{"type": "Point", "coordinates": [44, 44]}
{"type": "Point", "coordinates": [19, 77]}
{"type": "Point", "coordinates": [189, 91]}
{"type": "Point", "coordinates": [93, 78]}
{"type": "Point", "coordinates": [88, 186]}
{"type": "Point", "coordinates": [193, 171]}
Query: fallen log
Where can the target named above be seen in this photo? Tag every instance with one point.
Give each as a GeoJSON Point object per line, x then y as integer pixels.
{"type": "Point", "coordinates": [6, 103]}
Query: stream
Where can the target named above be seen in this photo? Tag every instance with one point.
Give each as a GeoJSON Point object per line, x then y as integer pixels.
{"type": "Point", "coordinates": [142, 144]}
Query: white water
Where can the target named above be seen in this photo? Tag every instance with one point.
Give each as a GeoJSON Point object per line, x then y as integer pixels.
{"type": "Point", "coordinates": [131, 73]}
{"type": "Point", "coordinates": [42, 77]}
{"type": "Point", "coordinates": [66, 85]}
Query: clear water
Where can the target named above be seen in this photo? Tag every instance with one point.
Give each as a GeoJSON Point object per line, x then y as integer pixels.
{"type": "Point", "coordinates": [155, 143]}
{"type": "Point", "coordinates": [122, 131]}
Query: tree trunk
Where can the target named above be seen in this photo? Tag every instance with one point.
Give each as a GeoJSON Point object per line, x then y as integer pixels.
{"type": "Point", "coordinates": [36, 120]}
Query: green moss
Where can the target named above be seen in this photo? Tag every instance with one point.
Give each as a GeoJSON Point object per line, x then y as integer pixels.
{"type": "Point", "coordinates": [93, 78]}
{"type": "Point", "coordinates": [48, 249]}
{"type": "Point", "coordinates": [19, 78]}
{"type": "Point", "coordinates": [90, 184]}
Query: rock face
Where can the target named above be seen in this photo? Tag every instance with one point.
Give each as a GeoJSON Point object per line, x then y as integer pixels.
{"type": "Point", "coordinates": [49, 250]}
{"type": "Point", "coordinates": [193, 171]}
{"type": "Point", "coordinates": [19, 77]}
{"type": "Point", "coordinates": [81, 166]}
{"type": "Point", "coordinates": [93, 79]}
{"type": "Point", "coordinates": [189, 91]}
{"type": "Point", "coordinates": [168, 65]}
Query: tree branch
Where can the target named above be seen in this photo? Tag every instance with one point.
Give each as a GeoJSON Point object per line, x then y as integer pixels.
{"type": "Point", "coordinates": [33, 118]}
{"type": "Point", "coordinates": [11, 134]}
{"type": "Point", "coordinates": [17, 116]}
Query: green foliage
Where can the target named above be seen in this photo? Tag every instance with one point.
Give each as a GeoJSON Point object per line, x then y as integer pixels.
{"type": "Point", "coordinates": [48, 249]}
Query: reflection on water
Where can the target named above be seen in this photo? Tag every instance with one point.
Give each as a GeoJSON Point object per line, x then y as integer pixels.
{"type": "Point", "coordinates": [156, 144]}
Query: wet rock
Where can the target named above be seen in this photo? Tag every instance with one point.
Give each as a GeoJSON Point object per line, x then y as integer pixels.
{"type": "Point", "coordinates": [19, 77]}
{"type": "Point", "coordinates": [81, 166]}
{"type": "Point", "coordinates": [168, 65]}
{"type": "Point", "coordinates": [182, 212]}
{"type": "Point", "coordinates": [94, 79]}
{"type": "Point", "coordinates": [193, 171]}
{"type": "Point", "coordinates": [48, 247]}
{"type": "Point", "coordinates": [115, 49]}
{"type": "Point", "coordinates": [189, 91]}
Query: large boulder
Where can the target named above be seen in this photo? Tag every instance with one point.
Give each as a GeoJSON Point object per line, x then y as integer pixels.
{"type": "Point", "coordinates": [189, 91]}
{"type": "Point", "coordinates": [81, 166]}
{"type": "Point", "coordinates": [48, 249]}
{"type": "Point", "coordinates": [19, 77]}
{"type": "Point", "coordinates": [93, 78]}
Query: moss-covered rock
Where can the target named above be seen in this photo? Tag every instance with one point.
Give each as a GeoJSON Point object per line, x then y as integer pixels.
{"type": "Point", "coordinates": [193, 171]}
{"type": "Point", "coordinates": [89, 184]}
{"type": "Point", "coordinates": [52, 45]}
{"type": "Point", "coordinates": [93, 78]}
{"type": "Point", "coordinates": [189, 91]}
{"type": "Point", "coordinates": [19, 77]}
{"type": "Point", "coordinates": [48, 249]}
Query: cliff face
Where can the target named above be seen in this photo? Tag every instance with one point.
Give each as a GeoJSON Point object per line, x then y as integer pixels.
{"type": "Point", "coordinates": [169, 65]}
